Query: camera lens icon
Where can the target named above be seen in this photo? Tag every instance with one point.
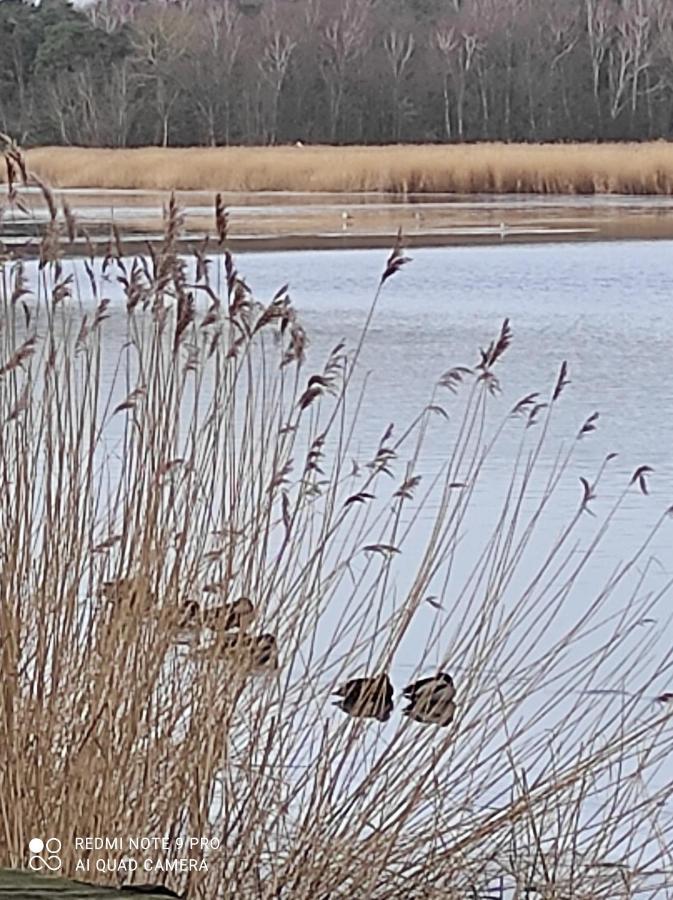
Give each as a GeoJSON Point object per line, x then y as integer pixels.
{"type": "Point", "coordinates": [44, 854]}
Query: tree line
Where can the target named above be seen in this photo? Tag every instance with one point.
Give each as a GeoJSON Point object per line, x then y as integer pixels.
{"type": "Point", "coordinates": [210, 72]}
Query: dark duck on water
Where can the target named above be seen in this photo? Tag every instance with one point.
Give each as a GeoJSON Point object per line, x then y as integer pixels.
{"type": "Point", "coordinates": [430, 700]}
{"type": "Point", "coordinates": [366, 698]}
{"type": "Point", "coordinates": [251, 653]}
{"type": "Point", "coordinates": [239, 614]}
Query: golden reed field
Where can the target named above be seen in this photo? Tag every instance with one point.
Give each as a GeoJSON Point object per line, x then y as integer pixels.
{"type": "Point", "coordinates": [476, 168]}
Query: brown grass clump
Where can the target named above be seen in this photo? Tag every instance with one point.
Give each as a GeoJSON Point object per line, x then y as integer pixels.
{"type": "Point", "coordinates": [160, 459]}
{"type": "Point", "coordinates": [464, 169]}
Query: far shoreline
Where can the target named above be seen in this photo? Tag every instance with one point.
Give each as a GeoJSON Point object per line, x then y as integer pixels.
{"type": "Point", "coordinates": [262, 221]}
{"type": "Point", "coordinates": [488, 168]}
{"type": "Point", "coordinates": [137, 246]}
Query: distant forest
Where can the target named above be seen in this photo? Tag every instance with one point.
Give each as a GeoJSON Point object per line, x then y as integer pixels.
{"type": "Point", "coordinates": [185, 72]}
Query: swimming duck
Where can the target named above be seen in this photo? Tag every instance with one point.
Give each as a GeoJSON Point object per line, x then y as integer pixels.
{"type": "Point", "coordinates": [239, 614]}
{"type": "Point", "coordinates": [188, 622]}
{"type": "Point", "coordinates": [189, 614]}
{"type": "Point", "coordinates": [430, 700]}
{"type": "Point", "coordinates": [366, 698]}
{"type": "Point", "coordinates": [254, 653]}
{"type": "Point", "coordinates": [130, 593]}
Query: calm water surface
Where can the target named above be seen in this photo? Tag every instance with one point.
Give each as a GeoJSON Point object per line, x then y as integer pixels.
{"type": "Point", "coordinates": [606, 308]}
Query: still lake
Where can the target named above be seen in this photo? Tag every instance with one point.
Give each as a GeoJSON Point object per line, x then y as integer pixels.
{"type": "Point", "coordinates": [605, 308]}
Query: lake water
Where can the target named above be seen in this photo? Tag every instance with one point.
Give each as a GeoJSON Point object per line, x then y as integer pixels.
{"type": "Point", "coordinates": [605, 308]}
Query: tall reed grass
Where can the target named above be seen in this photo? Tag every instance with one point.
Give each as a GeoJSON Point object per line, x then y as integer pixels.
{"type": "Point", "coordinates": [464, 169]}
{"type": "Point", "coordinates": [216, 463]}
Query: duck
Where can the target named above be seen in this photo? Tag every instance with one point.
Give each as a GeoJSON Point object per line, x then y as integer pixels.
{"type": "Point", "coordinates": [237, 615]}
{"type": "Point", "coordinates": [431, 700]}
{"type": "Point", "coordinates": [129, 593]}
{"type": "Point", "coordinates": [366, 698]}
{"type": "Point", "coordinates": [189, 614]}
{"type": "Point", "coordinates": [188, 622]}
{"type": "Point", "coordinates": [251, 653]}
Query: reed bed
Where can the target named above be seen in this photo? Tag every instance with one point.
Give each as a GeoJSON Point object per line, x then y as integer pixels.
{"type": "Point", "coordinates": [217, 463]}
{"type": "Point", "coordinates": [625, 168]}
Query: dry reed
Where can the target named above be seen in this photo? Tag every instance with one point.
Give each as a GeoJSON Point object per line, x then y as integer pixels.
{"type": "Point", "coordinates": [217, 457]}
{"type": "Point", "coordinates": [480, 168]}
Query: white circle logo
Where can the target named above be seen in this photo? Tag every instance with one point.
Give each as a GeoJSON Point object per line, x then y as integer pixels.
{"type": "Point", "coordinates": [52, 861]}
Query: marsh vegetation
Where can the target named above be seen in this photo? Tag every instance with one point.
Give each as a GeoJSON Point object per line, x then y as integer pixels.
{"type": "Point", "coordinates": [221, 463]}
{"type": "Point", "coordinates": [487, 168]}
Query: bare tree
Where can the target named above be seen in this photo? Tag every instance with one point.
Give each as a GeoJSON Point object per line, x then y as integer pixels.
{"type": "Point", "coordinates": [274, 64]}
{"type": "Point", "coordinates": [343, 41]}
{"type": "Point", "coordinates": [563, 30]}
{"type": "Point", "coordinates": [399, 49]}
{"type": "Point", "coordinates": [222, 71]}
{"type": "Point", "coordinates": [110, 15]}
{"type": "Point", "coordinates": [59, 107]}
{"type": "Point", "coordinates": [458, 49]}
{"type": "Point", "coordinates": [664, 49]}
{"type": "Point", "coordinates": [213, 53]}
{"type": "Point", "coordinates": [162, 38]}
{"type": "Point", "coordinates": [630, 55]}
{"type": "Point", "coordinates": [599, 33]}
